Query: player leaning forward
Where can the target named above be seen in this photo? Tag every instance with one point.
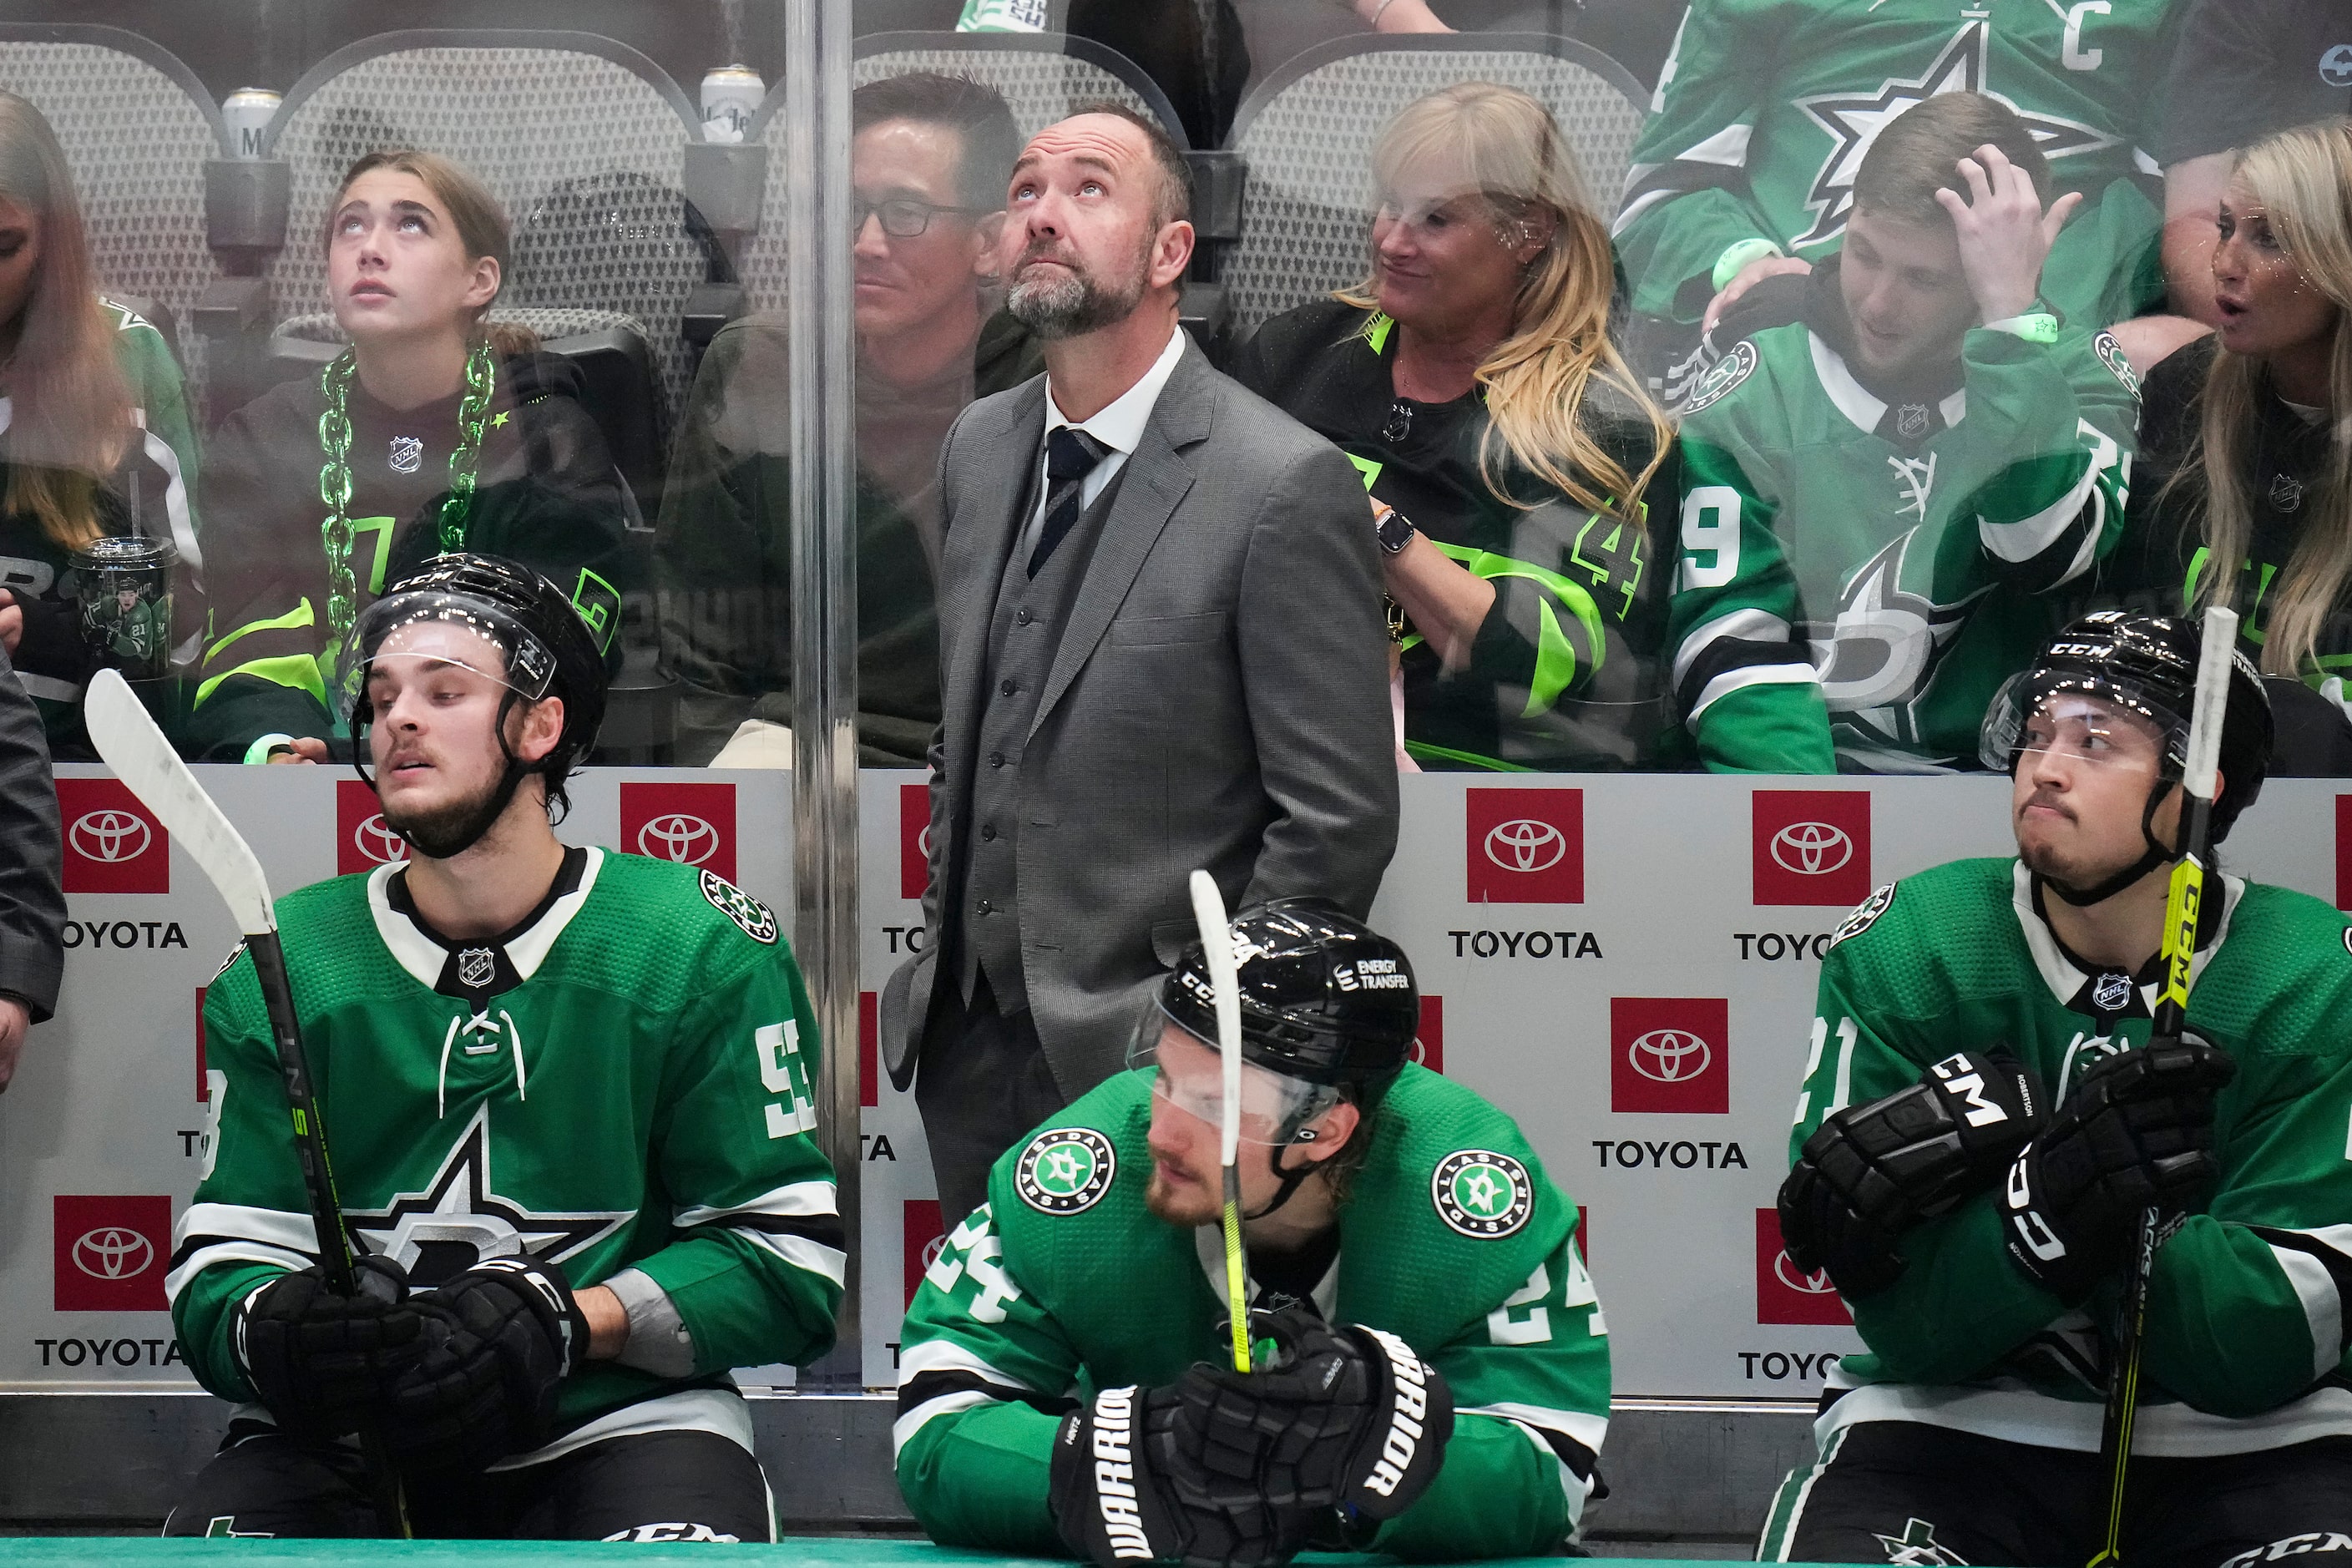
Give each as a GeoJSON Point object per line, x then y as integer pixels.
{"type": "Point", "coordinates": [567, 1093]}
{"type": "Point", "coordinates": [1983, 1121]}
{"type": "Point", "coordinates": [1439, 1377]}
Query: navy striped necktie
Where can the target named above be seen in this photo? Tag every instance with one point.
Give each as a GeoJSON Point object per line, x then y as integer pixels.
{"type": "Point", "coordinates": [1070, 456]}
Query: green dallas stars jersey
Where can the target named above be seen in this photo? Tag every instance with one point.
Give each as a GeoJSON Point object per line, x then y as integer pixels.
{"type": "Point", "coordinates": [1911, 549]}
{"type": "Point", "coordinates": [2246, 1322]}
{"type": "Point", "coordinates": [1766, 108]}
{"type": "Point", "coordinates": [1065, 1283]}
{"type": "Point", "coordinates": [624, 1083]}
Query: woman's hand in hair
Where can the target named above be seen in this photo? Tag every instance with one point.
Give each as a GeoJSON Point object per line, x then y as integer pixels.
{"type": "Point", "coordinates": [2004, 232]}
{"type": "Point", "coordinates": [1747, 277]}
{"type": "Point", "coordinates": [11, 623]}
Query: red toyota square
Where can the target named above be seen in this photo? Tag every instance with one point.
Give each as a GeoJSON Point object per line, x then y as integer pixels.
{"type": "Point", "coordinates": [1524, 845]}
{"type": "Point", "coordinates": [112, 845]}
{"type": "Point", "coordinates": [1785, 1293]}
{"type": "Point", "coordinates": [2344, 851]}
{"type": "Point", "coordinates": [362, 842]}
{"type": "Point", "coordinates": [926, 1234]}
{"type": "Point", "coordinates": [1812, 846]}
{"type": "Point", "coordinates": [914, 839]}
{"type": "Point", "coordinates": [1669, 1053]}
{"type": "Point", "coordinates": [692, 824]}
{"type": "Point", "coordinates": [204, 1089]}
{"type": "Point", "coordinates": [111, 1253]}
{"type": "Point", "coordinates": [869, 1039]}
{"type": "Point", "coordinates": [1429, 1041]}
{"type": "Point", "coordinates": [1583, 1234]}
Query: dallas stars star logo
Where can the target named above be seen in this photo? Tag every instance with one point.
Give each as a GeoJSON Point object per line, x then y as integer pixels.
{"type": "Point", "coordinates": [459, 1220]}
{"type": "Point", "coordinates": [1918, 1544]}
{"type": "Point", "coordinates": [1882, 650]}
{"type": "Point", "coordinates": [1853, 120]}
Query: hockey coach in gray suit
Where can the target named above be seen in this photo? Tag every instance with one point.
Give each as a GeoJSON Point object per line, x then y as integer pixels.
{"type": "Point", "coordinates": [1161, 647]}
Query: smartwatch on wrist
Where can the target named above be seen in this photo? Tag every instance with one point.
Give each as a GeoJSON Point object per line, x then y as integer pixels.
{"type": "Point", "coordinates": [1394, 531]}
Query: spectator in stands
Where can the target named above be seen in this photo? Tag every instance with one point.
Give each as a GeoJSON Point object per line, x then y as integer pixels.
{"type": "Point", "coordinates": [1507, 446]}
{"type": "Point", "coordinates": [1161, 629]}
{"type": "Point", "coordinates": [2244, 496]}
{"type": "Point", "coordinates": [1766, 108]}
{"type": "Point", "coordinates": [929, 161]}
{"type": "Point", "coordinates": [94, 434]}
{"type": "Point", "coordinates": [1905, 476]}
{"type": "Point", "coordinates": [432, 432]}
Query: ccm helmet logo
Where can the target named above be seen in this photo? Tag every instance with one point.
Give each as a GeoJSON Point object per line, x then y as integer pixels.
{"type": "Point", "coordinates": [1811, 848]}
{"type": "Point", "coordinates": [376, 843]}
{"type": "Point", "coordinates": [113, 1252]}
{"type": "Point", "coordinates": [1526, 845]}
{"type": "Point", "coordinates": [1669, 1056]}
{"type": "Point", "coordinates": [689, 840]}
{"type": "Point", "coordinates": [109, 836]}
{"type": "Point", "coordinates": [1817, 1283]}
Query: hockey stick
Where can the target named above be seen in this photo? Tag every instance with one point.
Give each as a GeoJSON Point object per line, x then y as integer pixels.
{"type": "Point", "coordinates": [1217, 947]}
{"type": "Point", "coordinates": [2217, 638]}
{"type": "Point", "coordinates": [144, 761]}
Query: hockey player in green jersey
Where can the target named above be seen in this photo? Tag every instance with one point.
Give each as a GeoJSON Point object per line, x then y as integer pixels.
{"type": "Point", "coordinates": [1432, 1375]}
{"type": "Point", "coordinates": [1767, 108]}
{"type": "Point", "coordinates": [568, 1094]}
{"type": "Point", "coordinates": [1982, 1121]}
{"type": "Point", "coordinates": [1881, 496]}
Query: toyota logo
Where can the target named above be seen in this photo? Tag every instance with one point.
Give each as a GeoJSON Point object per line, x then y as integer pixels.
{"type": "Point", "coordinates": [1817, 1283]}
{"type": "Point", "coordinates": [109, 836]}
{"type": "Point", "coordinates": [113, 1252]}
{"type": "Point", "coordinates": [1418, 1054]}
{"type": "Point", "coordinates": [923, 843]}
{"type": "Point", "coordinates": [1811, 848]}
{"type": "Point", "coordinates": [378, 843]}
{"type": "Point", "coordinates": [1669, 1056]}
{"type": "Point", "coordinates": [689, 840]}
{"type": "Point", "coordinates": [1526, 845]}
{"type": "Point", "coordinates": [931, 1250]}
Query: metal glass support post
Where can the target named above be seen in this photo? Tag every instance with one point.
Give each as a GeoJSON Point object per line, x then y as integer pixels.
{"type": "Point", "coordinates": [824, 447]}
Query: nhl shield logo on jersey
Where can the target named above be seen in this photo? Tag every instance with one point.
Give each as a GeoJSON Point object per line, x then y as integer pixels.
{"type": "Point", "coordinates": [757, 920]}
{"type": "Point", "coordinates": [1066, 1170]}
{"type": "Point", "coordinates": [1729, 372]}
{"type": "Point", "coordinates": [1480, 1192]}
{"type": "Point", "coordinates": [476, 967]}
{"type": "Point", "coordinates": [1866, 915]}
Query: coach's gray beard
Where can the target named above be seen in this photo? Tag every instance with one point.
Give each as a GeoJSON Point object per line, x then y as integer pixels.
{"type": "Point", "coordinates": [1068, 305]}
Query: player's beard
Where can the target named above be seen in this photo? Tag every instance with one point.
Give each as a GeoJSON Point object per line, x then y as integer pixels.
{"type": "Point", "coordinates": [441, 832]}
{"type": "Point", "coordinates": [1074, 303]}
{"type": "Point", "coordinates": [1192, 1205]}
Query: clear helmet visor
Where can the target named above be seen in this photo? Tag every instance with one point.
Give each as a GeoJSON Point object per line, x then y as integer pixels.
{"type": "Point", "coordinates": [1188, 1073]}
{"type": "Point", "coordinates": [2083, 720]}
{"type": "Point", "coordinates": [409, 635]}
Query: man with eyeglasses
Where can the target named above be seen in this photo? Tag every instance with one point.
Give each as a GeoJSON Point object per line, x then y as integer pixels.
{"type": "Point", "coordinates": [1983, 1121]}
{"type": "Point", "coordinates": [927, 163]}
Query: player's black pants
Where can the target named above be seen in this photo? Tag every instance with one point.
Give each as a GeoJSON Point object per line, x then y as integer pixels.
{"type": "Point", "coordinates": [661, 1486]}
{"type": "Point", "coordinates": [1896, 1491]}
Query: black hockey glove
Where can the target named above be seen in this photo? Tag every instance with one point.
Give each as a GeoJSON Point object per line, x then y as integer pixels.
{"type": "Point", "coordinates": [1344, 1417]}
{"type": "Point", "coordinates": [2138, 1130]}
{"type": "Point", "coordinates": [497, 1339]}
{"type": "Point", "coordinates": [1120, 1492]}
{"type": "Point", "coordinates": [320, 1362]}
{"type": "Point", "coordinates": [1872, 1172]}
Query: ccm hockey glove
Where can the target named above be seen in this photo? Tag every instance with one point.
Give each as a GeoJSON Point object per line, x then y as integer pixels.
{"type": "Point", "coordinates": [497, 1339]}
{"type": "Point", "coordinates": [2137, 1131]}
{"type": "Point", "coordinates": [1872, 1172]}
{"type": "Point", "coordinates": [1343, 1417]}
{"type": "Point", "coordinates": [1121, 1493]}
{"type": "Point", "coordinates": [320, 1362]}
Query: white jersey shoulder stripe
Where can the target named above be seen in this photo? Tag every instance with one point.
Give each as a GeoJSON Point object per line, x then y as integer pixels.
{"type": "Point", "coordinates": [275, 1227]}
{"type": "Point", "coordinates": [792, 1199]}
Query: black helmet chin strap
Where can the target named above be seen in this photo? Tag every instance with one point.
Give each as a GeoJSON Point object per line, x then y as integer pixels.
{"type": "Point", "coordinates": [485, 816]}
{"type": "Point", "coordinates": [2156, 855]}
{"type": "Point", "coordinates": [1288, 1175]}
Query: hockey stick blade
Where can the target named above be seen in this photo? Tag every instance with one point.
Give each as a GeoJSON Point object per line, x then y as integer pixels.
{"type": "Point", "coordinates": [1217, 952]}
{"type": "Point", "coordinates": [144, 761]}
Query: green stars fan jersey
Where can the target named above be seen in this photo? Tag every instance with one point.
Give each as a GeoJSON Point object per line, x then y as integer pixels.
{"type": "Point", "coordinates": [624, 1082]}
{"type": "Point", "coordinates": [1910, 554]}
{"type": "Point", "coordinates": [1766, 109]}
{"type": "Point", "coordinates": [1064, 1283]}
{"type": "Point", "coordinates": [2246, 1324]}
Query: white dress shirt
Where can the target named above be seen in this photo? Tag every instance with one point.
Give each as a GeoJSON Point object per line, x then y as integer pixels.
{"type": "Point", "coordinates": [1117, 425]}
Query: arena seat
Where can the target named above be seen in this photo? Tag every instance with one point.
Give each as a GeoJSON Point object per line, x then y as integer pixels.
{"type": "Point", "coordinates": [1305, 135]}
{"type": "Point", "coordinates": [137, 127]}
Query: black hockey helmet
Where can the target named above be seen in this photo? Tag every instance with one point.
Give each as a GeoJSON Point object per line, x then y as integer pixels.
{"type": "Point", "coordinates": [2146, 665]}
{"type": "Point", "coordinates": [548, 646]}
{"type": "Point", "coordinates": [1324, 997]}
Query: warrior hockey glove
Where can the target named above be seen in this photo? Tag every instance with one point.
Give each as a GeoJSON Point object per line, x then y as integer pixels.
{"type": "Point", "coordinates": [1120, 1492]}
{"type": "Point", "coordinates": [2137, 1131]}
{"type": "Point", "coordinates": [1872, 1172]}
{"type": "Point", "coordinates": [497, 1339]}
{"type": "Point", "coordinates": [1344, 1417]}
{"type": "Point", "coordinates": [320, 1362]}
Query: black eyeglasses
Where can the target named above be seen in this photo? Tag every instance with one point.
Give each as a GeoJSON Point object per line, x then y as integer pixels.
{"type": "Point", "coordinates": [903, 217]}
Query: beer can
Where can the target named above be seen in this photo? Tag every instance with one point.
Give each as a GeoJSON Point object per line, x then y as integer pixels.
{"type": "Point", "coordinates": [731, 97]}
{"type": "Point", "coordinates": [247, 112]}
{"type": "Point", "coordinates": [123, 585]}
